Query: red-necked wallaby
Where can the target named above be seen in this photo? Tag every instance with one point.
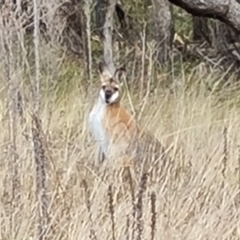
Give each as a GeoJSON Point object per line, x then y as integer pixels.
{"type": "Point", "coordinates": [115, 130]}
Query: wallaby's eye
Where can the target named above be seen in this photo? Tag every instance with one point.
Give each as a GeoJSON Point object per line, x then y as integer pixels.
{"type": "Point", "coordinates": [103, 87]}
{"type": "Point", "coordinates": [115, 89]}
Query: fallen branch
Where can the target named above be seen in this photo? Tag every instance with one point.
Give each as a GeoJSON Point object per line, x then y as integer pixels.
{"type": "Point", "coordinates": [227, 11]}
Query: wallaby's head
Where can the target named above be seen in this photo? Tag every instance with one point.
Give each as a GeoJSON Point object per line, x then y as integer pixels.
{"type": "Point", "coordinates": [110, 91]}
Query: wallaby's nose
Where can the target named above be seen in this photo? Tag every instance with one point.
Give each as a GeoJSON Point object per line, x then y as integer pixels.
{"type": "Point", "coordinates": [108, 94]}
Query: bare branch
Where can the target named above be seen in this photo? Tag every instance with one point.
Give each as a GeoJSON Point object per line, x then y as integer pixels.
{"type": "Point", "coordinates": [37, 61]}
{"type": "Point", "coordinates": [87, 11]}
{"type": "Point", "coordinates": [227, 11]}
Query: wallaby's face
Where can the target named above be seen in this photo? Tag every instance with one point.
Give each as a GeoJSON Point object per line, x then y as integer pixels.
{"type": "Point", "coordinates": [110, 91]}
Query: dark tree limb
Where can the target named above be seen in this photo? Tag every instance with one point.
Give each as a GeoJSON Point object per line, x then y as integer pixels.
{"type": "Point", "coordinates": [227, 11]}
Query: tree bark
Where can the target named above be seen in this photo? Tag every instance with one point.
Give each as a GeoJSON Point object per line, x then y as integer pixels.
{"type": "Point", "coordinates": [100, 10]}
{"type": "Point", "coordinates": [227, 11]}
{"type": "Point", "coordinates": [163, 25]}
{"type": "Point", "coordinates": [107, 36]}
{"type": "Point", "coordinates": [200, 29]}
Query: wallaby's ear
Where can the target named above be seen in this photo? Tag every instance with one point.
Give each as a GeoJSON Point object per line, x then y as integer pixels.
{"type": "Point", "coordinates": [103, 71]}
{"type": "Point", "coordinates": [120, 74]}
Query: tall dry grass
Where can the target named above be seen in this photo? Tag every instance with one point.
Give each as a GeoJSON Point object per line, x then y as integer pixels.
{"type": "Point", "coordinates": [195, 200]}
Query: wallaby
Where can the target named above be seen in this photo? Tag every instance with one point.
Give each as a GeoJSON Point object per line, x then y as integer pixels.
{"type": "Point", "coordinates": [115, 130]}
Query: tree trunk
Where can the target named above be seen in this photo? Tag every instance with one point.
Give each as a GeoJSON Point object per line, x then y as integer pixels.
{"type": "Point", "coordinates": [163, 24]}
{"type": "Point", "coordinates": [100, 10]}
{"type": "Point", "coordinates": [200, 29]}
{"type": "Point", "coordinates": [108, 36]}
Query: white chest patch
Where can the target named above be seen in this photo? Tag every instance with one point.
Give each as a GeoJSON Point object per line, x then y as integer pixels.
{"type": "Point", "coordinates": [96, 127]}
